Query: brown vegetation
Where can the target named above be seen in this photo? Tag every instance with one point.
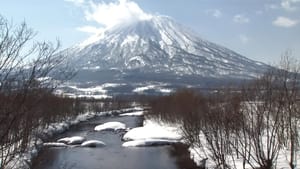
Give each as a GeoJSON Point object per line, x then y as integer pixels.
{"type": "Point", "coordinates": [25, 94]}
{"type": "Point", "coordinates": [254, 124]}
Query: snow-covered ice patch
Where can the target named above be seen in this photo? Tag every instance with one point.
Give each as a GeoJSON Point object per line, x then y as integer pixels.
{"type": "Point", "coordinates": [153, 130]}
{"type": "Point", "coordinates": [111, 126]}
{"type": "Point", "coordinates": [54, 144]}
{"type": "Point", "coordinates": [149, 142]}
{"type": "Point", "coordinates": [93, 143]}
{"type": "Point", "coordinates": [72, 140]}
{"type": "Point", "coordinates": [136, 113]}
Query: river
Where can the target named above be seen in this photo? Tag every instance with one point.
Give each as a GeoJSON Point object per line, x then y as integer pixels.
{"type": "Point", "coordinates": [113, 155]}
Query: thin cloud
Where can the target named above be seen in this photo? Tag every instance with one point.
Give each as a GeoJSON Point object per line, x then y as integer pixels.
{"type": "Point", "coordinates": [239, 18]}
{"type": "Point", "coordinates": [90, 29]}
{"type": "Point", "coordinates": [215, 13]}
{"type": "Point", "coordinates": [244, 38]}
{"type": "Point", "coordinates": [289, 5]}
{"type": "Point", "coordinates": [76, 2]}
{"type": "Point", "coordinates": [271, 6]}
{"type": "Point", "coordinates": [259, 12]}
{"type": "Point", "coordinates": [286, 4]}
{"type": "Point", "coordinates": [285, 22]}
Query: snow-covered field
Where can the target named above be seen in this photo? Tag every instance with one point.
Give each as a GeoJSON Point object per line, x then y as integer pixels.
{"type": "Point", "coordinates": [95, 92]}
{"type": "Point", "coordinates": [155, 133]}
{"type": "Point", "coordinates": [199, 154]}
{"type": "Point", "coordinates": [157, 87]}
{"type": "Point", "coordinates": [158, 133]}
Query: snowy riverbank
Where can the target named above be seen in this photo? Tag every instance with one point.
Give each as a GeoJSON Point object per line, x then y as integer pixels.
{"type": "Point", "coordinates": [23, 161]}
{"type": "Point", "coordinates": [154, 132]}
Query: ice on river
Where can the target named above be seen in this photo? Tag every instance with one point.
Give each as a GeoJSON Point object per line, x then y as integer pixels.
{"type": "Point", "coordinates": [54, 144]}
{"type": "Point", "coordinates": [93, 143]}
{"type": "Point", "coordinates": [72, 140]}
{"type": "Point", "coordinates": [136, 113]}
{"type": "Point", "coordinates": [152, 130]}
{"type": "Point", "coordinates": [151, 134]}
{"type": "Point", "coordinates": [111, 126]}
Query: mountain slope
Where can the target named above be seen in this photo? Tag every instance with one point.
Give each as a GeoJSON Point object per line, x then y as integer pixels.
{"type": "Point", "coordinates": [153, 56]}
{"type": "Point", "coordinates": [162, 45]}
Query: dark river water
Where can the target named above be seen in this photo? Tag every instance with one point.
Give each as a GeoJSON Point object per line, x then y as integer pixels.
{"type": "Point", "coordinates": [113, 156]}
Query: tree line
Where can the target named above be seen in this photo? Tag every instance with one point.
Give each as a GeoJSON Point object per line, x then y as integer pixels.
{"type": "Point", "coordinates": [249, 126]}
{"type": "Point", "coordinates": [26, 99]}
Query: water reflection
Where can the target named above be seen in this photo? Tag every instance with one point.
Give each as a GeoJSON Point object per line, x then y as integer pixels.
{"type": "Point", "coordinates": [113, 156]}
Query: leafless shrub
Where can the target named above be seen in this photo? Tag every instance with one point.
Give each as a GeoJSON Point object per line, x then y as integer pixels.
{"type": "Point", "coordinates": [25, 92]}
{"type": "Point", "coordinates": [254, 124]}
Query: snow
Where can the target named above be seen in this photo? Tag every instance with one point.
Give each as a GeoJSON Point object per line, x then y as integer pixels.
{"type": "Point", "coordinates": [90, 89]}
{"type": "Point", "coordinates": [93, 143]}
{"type": "Point", "coordinates": [23, 161]}
{"type": "Point", "coordinates": [138, 59]}
{"type": "Point", "coordinates": [155, 133]}
{"type": "Point", "coordinates": [157, 87]}
{"type": "Point", "coordinates": [166, 90]}
{"type": "Point", "coordinates": [95, 92]}
{"type": "Point", "coordinates": [65, 142]}
{"type": "Point", "coordinates": [54, 144]}
{"type": "Point", "coordinates": [94, 96]}
{"type": "Point", "coordinates": [111, 126]}
{"type": "Point", "coordinates": [91, 68]}
{"type": "Point", "coordinates": [144, 88]}
{"type": "Point", "coordinates": [72, 140]}
{"type": "Point", "coordinates": [158, 133]}
{"type": "Point", "coordinates": [91, 40]}
{"type": "Point", "coordinates": [136, 113]}
{"type": "Point", "coordinates": [148, 142]}
{"type": "Point", "coordinates": [161, 36]}
{"type": "Point", "coordinates": [100, 88]}
{"type": "Point", "coordinates": [42, 79]}
{"type": "Point", "coordinates": [153, 130]}
{"type": "Point", "coordinates": [130, 39]}
{"type": "Point", "coordinates": [152, 134]}
{"type": "Point", "coordinates": [165, 38]}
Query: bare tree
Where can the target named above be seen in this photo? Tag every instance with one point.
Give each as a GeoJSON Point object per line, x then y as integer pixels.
{"type": "Point", "coordinates": [271, 116]}
{"type": "Point", "coordinates": [289, 82]}
{"type": "Point", "coordinates": [23, 84]}
{"type": "Point", "coordinates": [255, 124]}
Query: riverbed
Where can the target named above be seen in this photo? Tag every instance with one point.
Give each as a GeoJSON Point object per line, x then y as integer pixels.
{"type": "Point", "coordinates": [112, 156]}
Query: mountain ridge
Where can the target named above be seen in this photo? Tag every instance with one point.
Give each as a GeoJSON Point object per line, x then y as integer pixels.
{"type": "Point", "coordinates": [160, 44]}
{"type": "Point", "coordinates": [154, 56]}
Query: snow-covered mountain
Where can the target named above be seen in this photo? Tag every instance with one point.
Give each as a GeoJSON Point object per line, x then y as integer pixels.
{"type": "Point", "coordinates": [160, 44]}
{"type": "Point", "coordinates": [155, 55]}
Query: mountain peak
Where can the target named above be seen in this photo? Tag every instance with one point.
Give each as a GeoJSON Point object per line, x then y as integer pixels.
{"type": "Point", "coordinates": [137, 26]}
{"type": "Point", "coordinates": [160, 44]}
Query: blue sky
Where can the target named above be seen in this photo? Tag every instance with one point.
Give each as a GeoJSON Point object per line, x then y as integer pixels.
{"type": "Point", "coordinates": [258, 29]}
